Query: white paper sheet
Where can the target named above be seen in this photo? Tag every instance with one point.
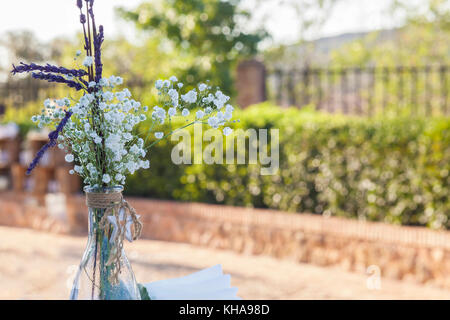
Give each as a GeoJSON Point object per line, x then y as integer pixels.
{"type": "Point", "coordinates": [207, 284]}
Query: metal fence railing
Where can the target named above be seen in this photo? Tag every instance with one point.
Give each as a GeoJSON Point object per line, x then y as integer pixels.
{"type": "Point", "coordinates": [17, 94]}
{"type": "Point", "coordinates": [364, 91]}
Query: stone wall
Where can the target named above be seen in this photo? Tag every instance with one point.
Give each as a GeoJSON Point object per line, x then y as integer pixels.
{"type": "Point", "coordinates": [410, 253]}
{"type": "Point", "coordinates": [27, 211]}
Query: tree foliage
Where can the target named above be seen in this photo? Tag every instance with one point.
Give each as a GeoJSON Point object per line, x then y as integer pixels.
{"type": "Point", "coordinates": [208, 35]}
{"type": "Point", "coordinates": [423, 40]}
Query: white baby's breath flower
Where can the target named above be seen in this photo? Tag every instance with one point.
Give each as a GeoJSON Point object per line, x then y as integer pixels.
{"type": "Point", "coordinates": [172, 111]}
{"type": "Point", "coordinates": [227, 131]}
{"type": "Point", "coordinates": [128, 136]}
{"type": "Point", "coordinates": [145, 164]}
{"type": "Point", "coordinates": [106, 178]}
{"type": "Point", "coordinates": [113, 80]}
{"type": "Point", "coordinates": [173, 94]}
{"type": "Point", "coordinates": [209, 98]}
{"type": "Point", "coordinates": [227, 116]}
{"type": "Point", "coordinates": [190, 97]}
{"type": "Point", "coordinates": [103, 82]}
{"type": "Point", "coordinates": [220, 117]}
{"type": "Point", "coordinates": [113, 142]}
{"type": "Point", "coordinates": [69, 157]}
{"type": "Point", "coordinates": [61, 102]}
{"type": "Point", "coordinates": [48, 103]}
{"type": "Point", "coordinates": [202, 87]}
{"type": "Point", "coordinates": [220, 99]}
{"type": "Point", "coordinates": [158, 84]}
{"type": "Point", "coordinates": [86, 148]}
{"type": "Point", "coordinates": [213, 122]}
{"type": "Point", "coordinates": [134, 149]}
{"type": "Point", "coordinates": [88, 61]}
{"type": "Point", "coordinates": [131, 166]}
{"type": "Point", "coordinates": [119, 81]}
{"type": "Point", "coordinates": [108, 96]}
{"type": "Point", "coordinates": [120, 96]}
{"type": "Point", "coordinates": [159, 114]}
{"type": "Point", "coordinates": [200, 114]}
{"type": "Point", "coordinates": [91, 168]}
{"type": "Point", "coordinates": [173, 79]}
{"type": "Point", "coordinates": [127, 106]}
{"type": "Point", "coordinates": [159, 135]}
{"type": "Point", "coordinates": [126, 91]}
{"type": "Point", "coordinates": [185, 112]}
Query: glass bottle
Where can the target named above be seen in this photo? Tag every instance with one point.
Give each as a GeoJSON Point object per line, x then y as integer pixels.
{"type": "Point", "coordinates": [97, 277]}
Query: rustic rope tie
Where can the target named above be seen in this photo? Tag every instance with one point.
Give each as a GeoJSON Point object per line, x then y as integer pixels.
{"type": "Point", "coordinates": [116, 215]}
{"type": "Point", "coordinates": [103, 200]}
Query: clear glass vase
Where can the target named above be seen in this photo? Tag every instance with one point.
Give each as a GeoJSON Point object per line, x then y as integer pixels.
{"type": "Point", "coordinates": [98, 278]}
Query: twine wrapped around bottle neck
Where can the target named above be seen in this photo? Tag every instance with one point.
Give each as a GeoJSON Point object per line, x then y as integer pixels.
{"type": "Point", "coordinates": [116, 218]}
{"type": "Point", "coordinates": [103, 200]}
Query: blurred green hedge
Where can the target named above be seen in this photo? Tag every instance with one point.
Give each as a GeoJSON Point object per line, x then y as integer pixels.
{"type": "Point", "coordinates": [394, 170]}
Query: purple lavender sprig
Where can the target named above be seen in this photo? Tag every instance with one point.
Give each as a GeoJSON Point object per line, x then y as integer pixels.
{"type": "Point", "coordinates": [98, 41]}
{"type": "Point", "coordinates": [38, 158]}
{"type": "Point", "coordinates": [23, 67]}
{"type": "Point", "coordinates": [53, 136]}
{"type": "Point", "coordinates": [52, 73]}
{"type": "Point", "coordinates": [59, 79]}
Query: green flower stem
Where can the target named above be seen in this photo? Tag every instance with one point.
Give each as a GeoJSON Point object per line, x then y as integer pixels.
{"type": "Point", "coordinates": [170, 133]}
{"type": "Point", "coordinates": [149, 132]}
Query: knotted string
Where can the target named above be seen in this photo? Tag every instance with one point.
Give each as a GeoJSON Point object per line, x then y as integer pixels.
{"type": "Point", "coordinates": [114, 203]}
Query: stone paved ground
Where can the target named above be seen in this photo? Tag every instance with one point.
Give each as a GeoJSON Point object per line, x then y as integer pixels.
{"type": "Point", "coordinates": [35, 265]}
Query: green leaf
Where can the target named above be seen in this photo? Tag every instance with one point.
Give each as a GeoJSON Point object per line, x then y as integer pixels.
{"type": "Point", "coordinates": [144, 292]}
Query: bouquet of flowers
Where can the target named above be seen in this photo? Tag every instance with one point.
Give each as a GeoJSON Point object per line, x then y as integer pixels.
{"type": "Point", "coordinates": [97, 132]}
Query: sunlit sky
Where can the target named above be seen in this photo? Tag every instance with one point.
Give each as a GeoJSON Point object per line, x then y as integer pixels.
{"type": "Point", "coordinates": [52, 18]}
